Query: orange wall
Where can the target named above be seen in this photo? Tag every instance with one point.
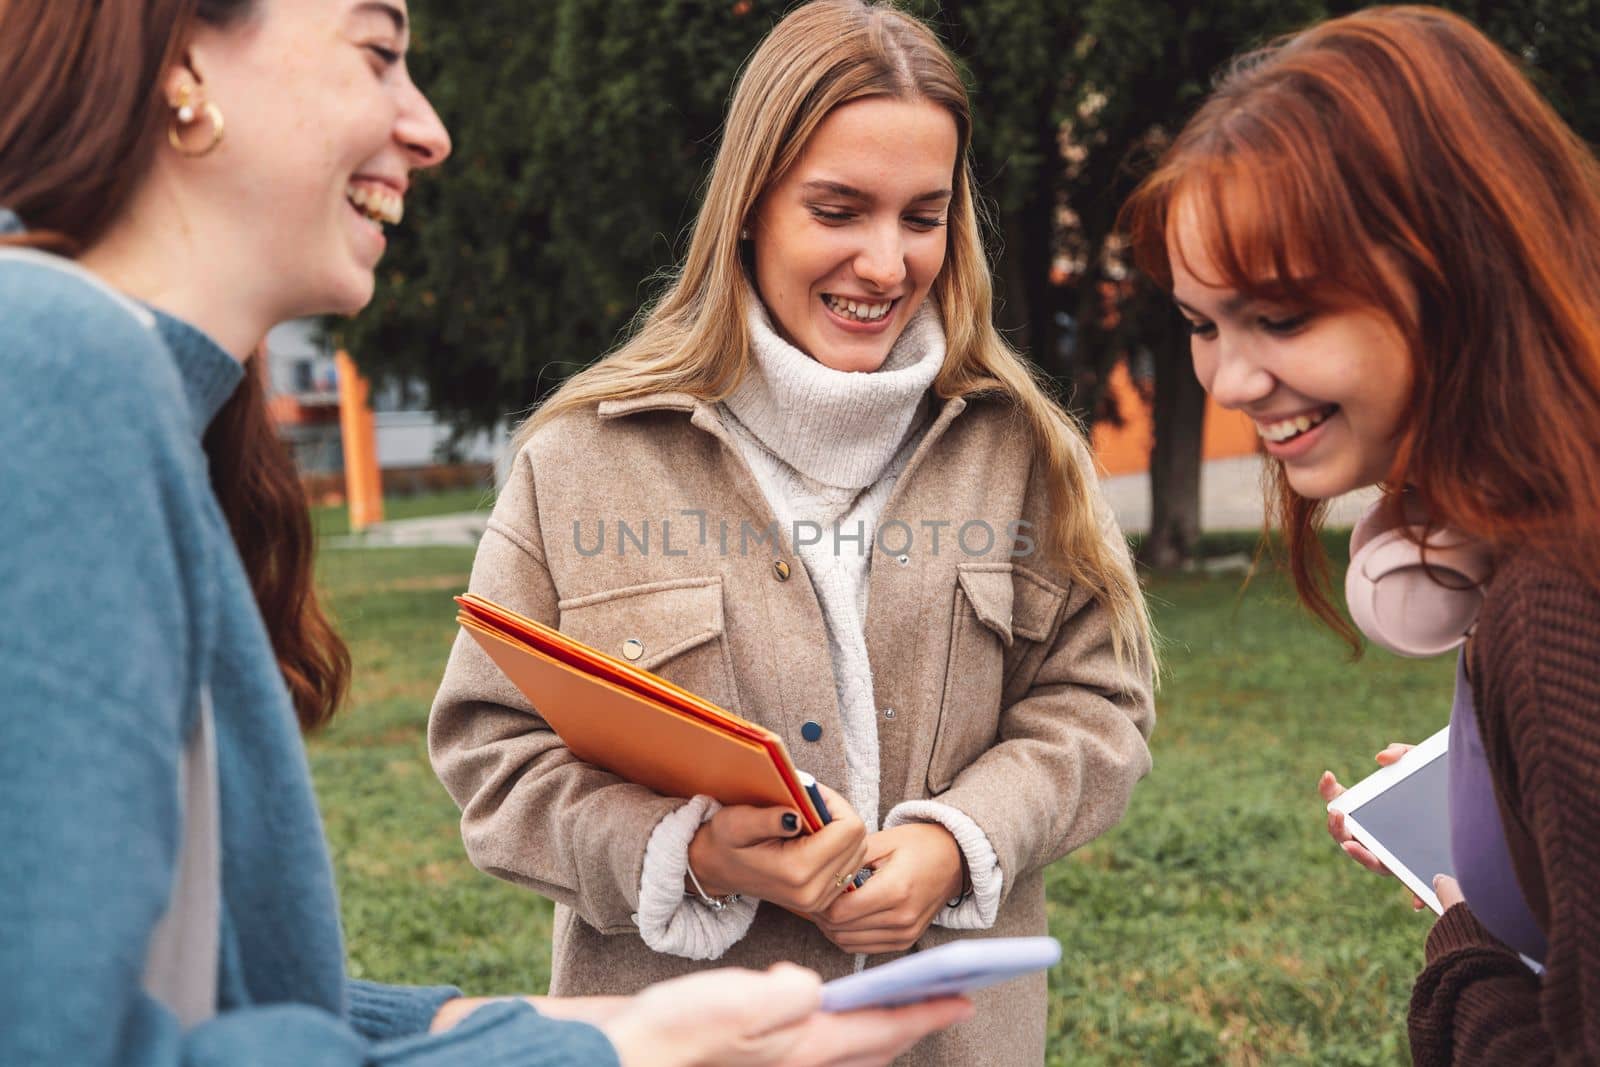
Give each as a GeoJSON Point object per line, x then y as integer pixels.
{"type": "Point", "coordinates": [1125, 449]}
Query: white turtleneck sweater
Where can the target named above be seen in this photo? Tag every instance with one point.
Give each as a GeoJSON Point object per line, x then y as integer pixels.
{"type": "Point", "coordinates": [826, 448]}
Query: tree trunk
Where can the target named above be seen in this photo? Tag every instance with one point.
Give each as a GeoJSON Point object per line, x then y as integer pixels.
{"type": "Point", "coordinates": [1039, 223]}
{"type": "Point", "coordinates": [1026, 302]}
{"type": "Point", "coordinates": [1011, 315]}
{"type": "Point", "coordinates": [1179, 418]}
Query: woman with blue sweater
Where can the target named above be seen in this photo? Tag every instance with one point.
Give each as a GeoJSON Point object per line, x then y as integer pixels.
{"type": "Point", "coordinates": [177, 176]}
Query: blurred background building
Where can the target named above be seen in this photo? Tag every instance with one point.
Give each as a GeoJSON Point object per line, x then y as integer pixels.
{"type": "Point", "coordinates": [416, 450]}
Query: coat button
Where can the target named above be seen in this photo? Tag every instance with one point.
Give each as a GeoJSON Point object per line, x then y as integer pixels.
{"type": "Point", "coordinates": [812, 730]}
{"type": "Point", "coordinates": [781, 569]}
{"type": "Point", "coordinates": [632, 648]}
{"type": "Point", "coordinates": [888, 713]}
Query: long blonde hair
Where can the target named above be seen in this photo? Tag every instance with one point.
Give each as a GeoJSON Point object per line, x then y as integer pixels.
{"type": "Point", "coordinates": [695, 339]}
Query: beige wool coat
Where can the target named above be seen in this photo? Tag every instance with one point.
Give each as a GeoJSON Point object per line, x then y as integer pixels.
{"type": "Point", "coordinates": [997, 687]}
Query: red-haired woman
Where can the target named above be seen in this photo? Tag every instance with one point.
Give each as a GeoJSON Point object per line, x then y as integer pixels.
{"type": "Point", "coordinates": [176, 176]}
{"type": "Point", "coordinates": [1388, 249]}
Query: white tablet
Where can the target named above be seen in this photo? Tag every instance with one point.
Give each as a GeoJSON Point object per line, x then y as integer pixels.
{"type": "Point", "coordinates": [1402, 815]}
{"type": "Point", "coordinates": [957, 967]}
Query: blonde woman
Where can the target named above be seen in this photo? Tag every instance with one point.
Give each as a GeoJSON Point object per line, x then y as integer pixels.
{"type": "Point", "coordinates": [817, 488]}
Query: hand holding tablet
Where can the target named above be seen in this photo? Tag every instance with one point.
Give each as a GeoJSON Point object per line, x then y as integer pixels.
{"type": "Point", "coordinates": [1399, 816]}
{"type": "Point", "coordinates": [1330, 789]}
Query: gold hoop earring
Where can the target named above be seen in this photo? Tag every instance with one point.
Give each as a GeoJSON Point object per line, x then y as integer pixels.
{"type": "Point", "coordinates": [183, 115]}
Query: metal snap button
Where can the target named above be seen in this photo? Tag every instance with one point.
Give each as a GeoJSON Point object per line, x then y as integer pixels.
{"type": "Point", "coordinates": [632, 648]}
{"type": "Point", "coordinates": [781, 569]}
{"type": "Point", "coordinates": [888, 713]}
{"type": "Point", "coordinates": [812, 730]}
{"type": "Point", "coordinates": [904, 560]}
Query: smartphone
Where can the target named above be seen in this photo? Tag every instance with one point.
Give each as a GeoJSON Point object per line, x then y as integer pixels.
{"type": "Point", "coordinates": [950, 969]}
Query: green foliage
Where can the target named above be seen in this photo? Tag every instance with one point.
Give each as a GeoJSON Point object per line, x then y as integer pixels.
{"type": "Point", "coordinates": [1216, 924]}
{"type": "Point", "coordinates": [584, 132]}
{"type": "Point", "coordinates": [1154, 62]}
{"type": "Point", "coordinates": [1147, 66]}
{"type": "Point", "coordinates": [1559, 40]}
{"type": "Point", "coordinates": [582, 136]}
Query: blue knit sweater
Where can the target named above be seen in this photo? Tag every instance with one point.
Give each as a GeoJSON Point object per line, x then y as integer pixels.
{"type": "Point", "coordinates": [121, 595]}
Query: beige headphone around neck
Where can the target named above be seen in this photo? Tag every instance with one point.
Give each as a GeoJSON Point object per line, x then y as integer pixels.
{"type": "Point", "coordinates": [1414, 601]}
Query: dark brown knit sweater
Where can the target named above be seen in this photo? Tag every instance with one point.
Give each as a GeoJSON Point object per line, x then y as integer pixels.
{"type": "Point", "coordinates": [1535, 666]}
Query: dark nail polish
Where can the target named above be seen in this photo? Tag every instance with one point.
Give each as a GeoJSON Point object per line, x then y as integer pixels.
{"type": "Point", "coordinates": [791, 822]}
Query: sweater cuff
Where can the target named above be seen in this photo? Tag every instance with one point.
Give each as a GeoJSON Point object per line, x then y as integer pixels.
{"type": "Point", "coordinates": [382, 1012]}
{"type": "Point", "coordinates": [668, 920]}
{"type": "Point", "coordinates": [1457, 929]}
{"type": "Point", "coordinates": [979, 910]}
{"type": "Point", "coordinates": [507, 1034]}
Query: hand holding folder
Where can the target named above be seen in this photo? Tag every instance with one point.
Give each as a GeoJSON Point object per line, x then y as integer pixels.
{"type": "Point", "coordinates": [634, 724]}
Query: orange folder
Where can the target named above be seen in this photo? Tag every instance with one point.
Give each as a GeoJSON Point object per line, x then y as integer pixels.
{"type": "Point", "coordinates": [634, 724]}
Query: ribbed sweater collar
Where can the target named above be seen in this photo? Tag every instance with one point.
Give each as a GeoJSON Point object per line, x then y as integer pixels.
{"type": "Point", "coordinates": [840, 428]}
{"type": "Point", "coordinates": [210, 374]}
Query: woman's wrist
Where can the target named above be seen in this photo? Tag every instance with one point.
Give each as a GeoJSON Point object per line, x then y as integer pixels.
{"type": "Point", "coordinates": [716, 902]}
{"type": "Point", "coordinates": [455, 1009]}
{"type": "Point", "coordinates": [594, 1010]}
{"type": "Point", "coordinates": [957, 882]}
{"type": "Point", "coordinates": [700, 878]}
{"type": "Point", "coordinates": [963, 881]}
{"type": "Point", "coordinates": [635, 1044]}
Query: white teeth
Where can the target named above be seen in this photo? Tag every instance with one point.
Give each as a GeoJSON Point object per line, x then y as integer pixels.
{"type": "Point", "coordinates": [856, 309]}
{"type": "Point", "coordinates": [1278, 432]}
{"type": "Point", "coordinates": [376, 202]}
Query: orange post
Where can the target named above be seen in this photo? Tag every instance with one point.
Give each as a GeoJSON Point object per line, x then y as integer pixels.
{"type": "Point", "coordinates": [362, 483]}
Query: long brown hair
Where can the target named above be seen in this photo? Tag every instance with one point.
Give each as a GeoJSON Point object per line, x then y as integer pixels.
{"type": "Point", "coordinates": [83, 118]}
{"type": "Point", "coordinates": [695, 338]}
{"type": "Point", "coordinates": [1404, 138]}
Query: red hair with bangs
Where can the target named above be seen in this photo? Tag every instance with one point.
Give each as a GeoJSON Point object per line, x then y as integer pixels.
{"type": "Point", "coordinates": [1394, 145]}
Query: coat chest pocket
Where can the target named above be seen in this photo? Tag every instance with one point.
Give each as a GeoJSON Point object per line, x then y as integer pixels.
{"type": "Point", "coordinates": [674, 629]}
{"type": "Point", "coordinates": [1001, 615]}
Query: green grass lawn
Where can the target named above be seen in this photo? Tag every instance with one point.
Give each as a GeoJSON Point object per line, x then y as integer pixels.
{"type": "Point", "coordinates": [334, 520]}
{"type": "Point", "coordinates": [1216, 924]}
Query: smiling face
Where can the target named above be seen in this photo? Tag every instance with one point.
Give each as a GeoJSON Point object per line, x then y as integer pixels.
{"type": "Point", "coordinates": [323, 130]}
{"type": "Point", "coordinates": [849, 241]}
{"type": "Point", "coordinates": [1327, 389]}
